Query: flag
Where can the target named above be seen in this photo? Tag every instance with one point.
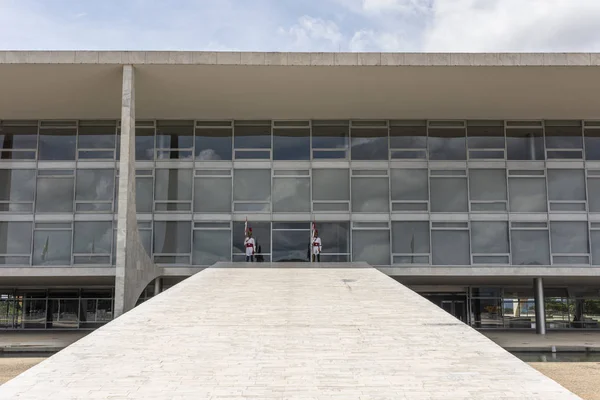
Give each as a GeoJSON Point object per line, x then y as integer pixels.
{"type": "Point", "coordinates": [45, 249]}
{"type": "Point", "coordinates": [246, 228]}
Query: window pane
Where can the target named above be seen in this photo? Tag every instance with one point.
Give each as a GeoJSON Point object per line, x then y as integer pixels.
{"type": "Point", "coordinates": [18, 137]}
{"type": "Point", "coordinates": [212, 195]}
{"type": "Point", "coordinates": [291, 144]}
{"type": "Point", "coordinates": [252, 137]}
{"type": "Point", "coordinates": [564, 137]}
{"type": "Point", "coordinates": [93, 237]}
{"type": "Point", "coordinates": [57, 144]}
{"type": "Point", "coordinates": [566, 184]}
{"type": "Point", "coordinates": [54, 194]}
{"type": "Point", "coordinates": [335, 237]}
{"type": "Point", "coordinates": [372, 247]}
{"type": "Point", "coordinates": [569, 237]}
{"type": "Point", "coordinates": [291, 246]}
{"type": "Point", "coordinates": [172, 237]}
{"type": "Point", "coordinates": [594, 194]}
{"type": "Point", "coordinates": [410, 237]}
{"type": "Point", "coordinates": [213, 144]}
{"type": "Point", "coordinates": [261, 232]}
{"type": "Point", "coordinates": [252, 184]}
{"type": "Point", "coordinates": [527, 194]}
{"type": "Point", "coordinates": [291, 194]}
{"type": "Point", "coordinates": [175, 135]}
{"type": "Point", "coordinates": [330, 184]}
{"type": "Point", "coordinates": [450, 247]}
{"type": "Point", "coordinates": [595, 236]}
{"type": "Point", "coordinates": [408, 137]}
{"type": "Point", "coordinates": [525, 144]}
{"type": "Point", "coordinates": [173, 184]}
{"type": "Point", "coordinates": [530, 247]}
{"type": "Point", "coordinates": [409, 184]}
{"type": "Point", "coordinates": [52, 247]}
{"type": "Point", "coordinates": [370, 194]}
{"type": "Point", "coordinates": [143, 194]}
{"type": "Point", "coordinates": [97, 137]}
{"type": "Point", "coordinates": [95, 184]}
{"type": "Point", "coordinates": [15, 237]}
{"type": "Point", "coordinates": [487, 184]}
{"type": "Point", "coordinates": [211, 247]}
{"type": "Point", "coordinates": [489, 237]}
{"type": "Point", "coordinates": [17, 185]}
{"type": "Point", "coordinates": [592, 144]}
{"type": "Point", "coordinates": [447, 144]}
{"type": "Point", "coordinates": [144, 144]}
{"type": "Point", "coordinates": [449, 195]}
{"type": "Point", "coordinates": [369, 144]}
{"type": "Point", "coordinates": [481, 136]}
{"type": "Point", "coordinates": [330, 137]}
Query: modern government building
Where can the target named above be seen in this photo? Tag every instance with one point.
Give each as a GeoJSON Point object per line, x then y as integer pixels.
{"type": "Point", "coordinates": [474, 179]}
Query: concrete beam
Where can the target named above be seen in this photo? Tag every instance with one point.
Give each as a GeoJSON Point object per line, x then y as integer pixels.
{"type": "Point", "coordinates": [134, 268]}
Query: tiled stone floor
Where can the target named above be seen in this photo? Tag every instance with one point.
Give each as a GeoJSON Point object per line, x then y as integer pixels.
{"type": "Point", "coordinates": [285, 333]}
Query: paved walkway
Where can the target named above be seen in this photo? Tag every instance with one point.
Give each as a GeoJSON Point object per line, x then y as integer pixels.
{"type": "Point", "coordinates": [285, 333]}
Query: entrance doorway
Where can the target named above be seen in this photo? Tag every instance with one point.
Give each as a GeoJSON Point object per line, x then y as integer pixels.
{"type": "Point", "coordinates": [454, 304]}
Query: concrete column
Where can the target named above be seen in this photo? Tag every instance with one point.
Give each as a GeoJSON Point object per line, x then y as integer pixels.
{"type": "Point", "coordinates": [540, 309]}
{"type": "Point", "coordinates": [157, 286]}
{"type": "Point", "coordinates": [134, 268]}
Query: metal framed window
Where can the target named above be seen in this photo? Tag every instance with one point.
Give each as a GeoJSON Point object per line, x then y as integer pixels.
{"type": "Point", "coordinates": [213, 190]}
{"type": "Point", "coordinates": [488, 190]}
{"type": "Point", "coordinates": [486, 140]}
{"type": "Point", "coordinates": [371, 242]}
{"type": "Point", "coordinates": [330, 139]}
{"type": "Point", "coordinates": [174, 140]}
{"type": "Point", "coordinates": [569, 242]}
{"type": "Point", "coordinates": [448, 190]}
{"type": "Point", "coordinates": [447, 140]}
{"type": "Point", "coordinates": [564, 140]}
{"type": "Point", "coordinates": [291, 190]}
{"type": "Point", "coordinates": [530, 243]}
{"type": "Point", "coordinates": [370, 190]}
{"type": "Point", "coordinates": [527, 191]}
{"type": "Point", "coordinates": [490, 243]}
{"type": "Point", "coordinates": [55, 192]}
{"type": "Point", "coordinates": [17, 190]}
{"type": "Point", "coordinates": [252, 140]}
{"type": "Point", "coordinates": [96, 140]}
{"type": "Point", "coordinates": [52, 243]}
{"type": "Point", "coordinates": [411, 241]}
{"type": "Point", "coordinates": [211, 242]}
{"type": "Point", "coordinates": [369, 140]}
{"type": "Point", "coordinates": [172, 242]}
{"type": "Point", "coordinates": [450, 243]}
{"type": "Point", "coordinates": [408, 140]}
{"type": "Point", "coordinates": [213, 141]}
{"type": "Point", "coordinates": [409, 189]}
{"type": "Point", "coordinates": [291, 140]}
{"type": "Point", "coordinates": [525, 140]}
{"type": "Point", "coordinates": [566, 190]}
{"type": "Point", "coordinates": [15, 242]}
{"type": "Point", "coordinates": [18, 140]}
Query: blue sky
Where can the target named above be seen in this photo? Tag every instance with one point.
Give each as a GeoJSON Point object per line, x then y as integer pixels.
{"type": "Point", "coordinates": [301, 25]}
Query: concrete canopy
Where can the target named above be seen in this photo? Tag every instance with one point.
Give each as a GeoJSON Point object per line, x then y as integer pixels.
{"type": "Point", "coordinates": [82, 85]}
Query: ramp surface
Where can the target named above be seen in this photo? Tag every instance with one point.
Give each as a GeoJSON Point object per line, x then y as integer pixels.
{"type": "Point", "coordinates": [285, 333]}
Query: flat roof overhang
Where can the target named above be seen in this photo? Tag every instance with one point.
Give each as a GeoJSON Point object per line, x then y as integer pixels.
{"type": "Point", "coordinates": [182, 85]}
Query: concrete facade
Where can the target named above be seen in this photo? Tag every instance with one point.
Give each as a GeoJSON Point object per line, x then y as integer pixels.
{"type": "Point", "coordinates": [286, 332]}
{"type": "Point", "coordinates": [134, 268]}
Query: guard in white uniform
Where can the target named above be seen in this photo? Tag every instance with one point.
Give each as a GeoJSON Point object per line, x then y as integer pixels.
{"type": "Point", "coordinates": [250, 246]}
{"type": "Point", "coordinates": [316, 247]}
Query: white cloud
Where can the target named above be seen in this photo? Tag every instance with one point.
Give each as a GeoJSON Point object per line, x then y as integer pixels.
{"type": "Point", "coordinates": [397, 6]}
{"type": "Point", "coordinates": [368, 40]}
{"type": "Point", "coordinates": [311, 33]}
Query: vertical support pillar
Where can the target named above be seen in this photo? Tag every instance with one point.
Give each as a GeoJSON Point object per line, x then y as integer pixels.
{"type": "Point", "coordinates": [134, 268]}
{"type": "Point", "coordinates": [540, 309]}
{"type": "Point", "coordinates": [157, 286]}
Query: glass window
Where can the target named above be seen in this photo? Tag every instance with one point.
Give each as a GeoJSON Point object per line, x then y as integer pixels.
{"type": "Point", "coordinates": [335, 237]}
{"type": "Point", "coordinates": [592, 143]}
{"type": "Point", "coordinates": [261, 231]}
{"type": "Point", "coordinates": [172, 237]}
{"type": "Point", "coordinates": [291, 245]}
{"type": "Point", "coordinates": [252, 135]}
{"type": "Point", "coordinates": [94, 189]}
{"type": "Point", "coordinates": [408, 139]}
{"type": "Point", "coordinates": [527, 194]}
{"type": "Point", "coordinates": [57, 144]}
{"type": "Point", "coordinates": [595, 236]}
{"type": "Point", "coordinates": [252, 185]}
{"type": "Point", "coordinates": [174, 139]}
{"type": "Point", "coordinates": [212, 194]}
{"type": "Point", "coordinates": [15, 239]}
{"type": "Point", "coordinates": [55, 192]}
{"type": "Point", "coordinates": [213, 143]}
{"type": "Point", "coordinates": [173, 190]}
{"type": "Point", "coordinates": [569, 237]}
{"type": "Point", "coordinates": [330, 184]}
{"type": "Point", "coordinates": [485, 139]}
{"type": "Point", "coordinates": [17, 187]}
{"type": "Point", "coordinates": [144, 143]}
{"type": "Point", "coordinates": [410, 237]}
{"type": "Point", "coordinates": [330, 139]}
{"type": "Point", "coordinates": [450, 247]}
{"type": "Point", "coordinates": [52, 247]}
{"type": "Point", "coordinates": [525, 143]}
{"type": "Point", "coordinates": [96, 140]}
{"type": "Point", "coordinates": [566, 184]}
{"type": "Point", "coordinates": [449, 195]}
{"type": "Point", "coordinates": [489, 237]}
{"type": "Point", "coordinates": [369, 144]}
{"type": "Point", "coordinates": [487, 189]}
{"type": "Point", "coordinates": [18, 142]}
{"type": "Point", "coordinates": [371, 246]}
{"type": "Point", "coordinates": [143, 194]}
{"type": "Point", "coordinates": [409, 184]}
{"type": "Point", "coordinates": [291, 194]}
{"type": "Point", "coordinates": [92, 237]}
{"type": "Point", "coordinates": [211, 246]}
{"type": "Point", "coordinates": [593, 188]}
{"type": "Point", "coordinates": [291, 144]}
{"type": "Point", "coordinates": [447, 144]}
{"type": "Point", "coordinates": [370, 194]}
{"type": "Point", "coordinates": [530, 247]}
{"type": "Point", "coordinates": [564, 135]}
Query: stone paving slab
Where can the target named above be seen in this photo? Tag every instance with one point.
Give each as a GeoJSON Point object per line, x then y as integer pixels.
{"type": "Point", "coordinates": [285, 333]}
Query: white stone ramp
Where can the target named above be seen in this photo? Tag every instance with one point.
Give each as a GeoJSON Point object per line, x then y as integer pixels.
{"type": "Point", "coordinates": [285, 333]}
